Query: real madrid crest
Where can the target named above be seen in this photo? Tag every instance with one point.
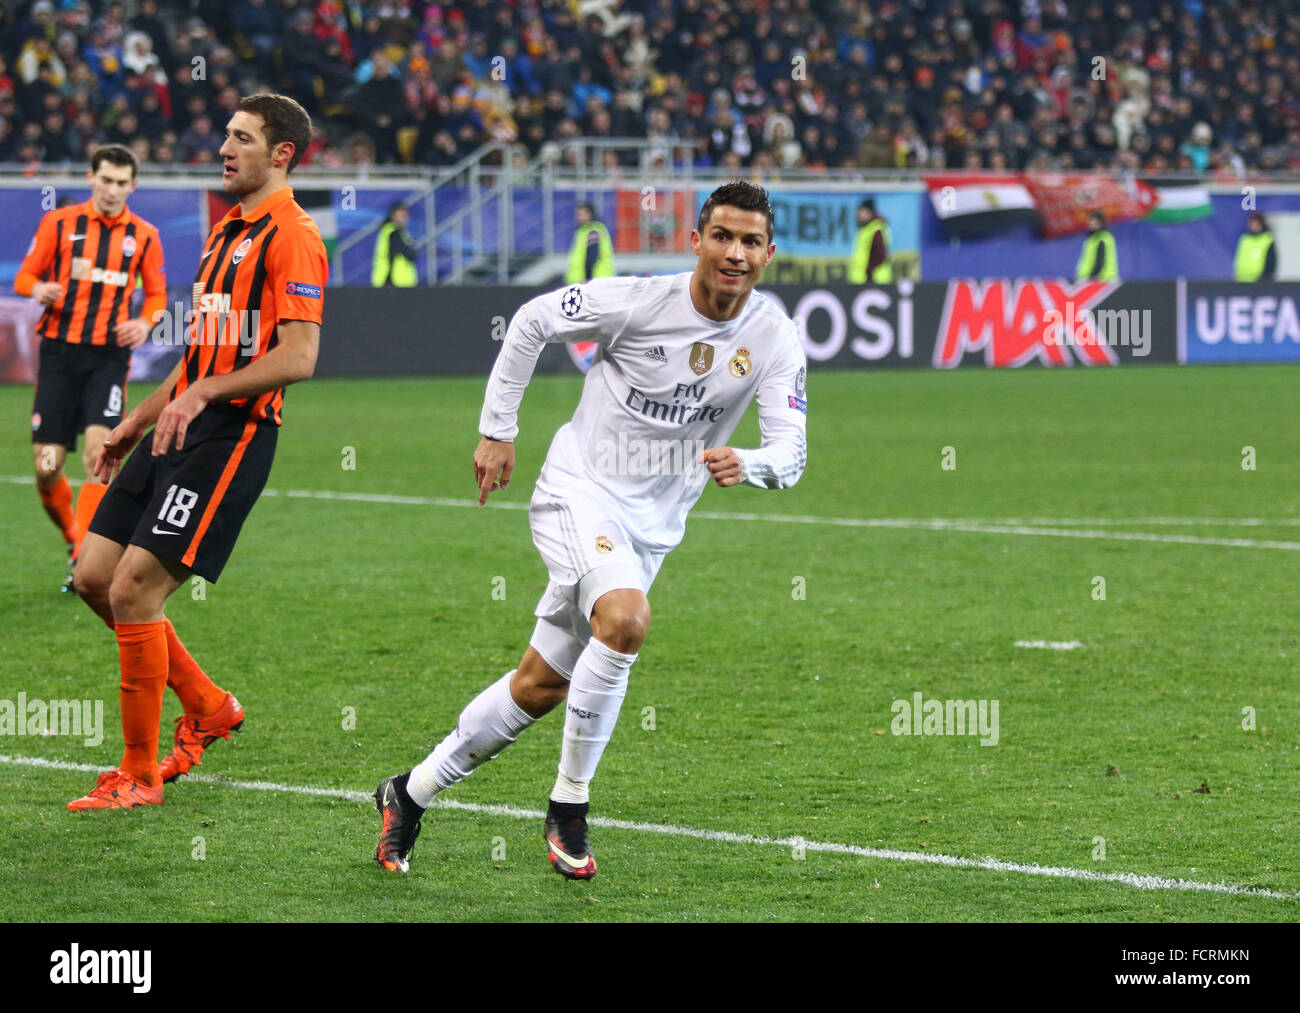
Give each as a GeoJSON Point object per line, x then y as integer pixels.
{"type": "Point", "coordinates": [739, 364]}
{"type": "Point", "coordinates": [701, 358]}
{"type": "Point", "coordinates": [603, 544]}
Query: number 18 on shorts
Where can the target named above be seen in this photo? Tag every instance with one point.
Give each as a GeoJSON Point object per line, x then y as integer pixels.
{"type": "Point", "coordinates": [189, 505]}
{"type": "Point", "coordinates": [176, 510]}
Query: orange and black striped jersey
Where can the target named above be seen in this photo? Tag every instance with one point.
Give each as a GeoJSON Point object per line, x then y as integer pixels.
{"type": "Point", "coordinates": [255, 273]}
{"type": "Point", "coordinates": [96, 260]}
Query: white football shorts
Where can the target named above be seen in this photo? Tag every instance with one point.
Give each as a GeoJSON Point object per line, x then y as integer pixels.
{"type": "Point", "coordinates": [588, 553]}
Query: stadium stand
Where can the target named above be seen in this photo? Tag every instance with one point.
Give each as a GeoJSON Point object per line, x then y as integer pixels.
{"type": "Point", "coordinates": [1198, 87]}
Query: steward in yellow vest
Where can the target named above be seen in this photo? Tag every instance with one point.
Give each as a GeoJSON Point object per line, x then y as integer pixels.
{"type": "Point", "coordinates": [591, 255]}
{"type": "Point", "coordinates": [394, 262]}
{"type": "Point", "coordinates": [1256, 258]}
{"type": "Point", "coordinates": [1098, 261]}
{"type": "Point", "coordinates": [871, 248]}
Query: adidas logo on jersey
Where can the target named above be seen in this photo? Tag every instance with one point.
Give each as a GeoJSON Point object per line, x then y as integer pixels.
{"type": "Point", "coordinates": [657, 354]}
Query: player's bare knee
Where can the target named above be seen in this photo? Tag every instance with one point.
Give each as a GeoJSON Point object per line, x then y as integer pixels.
{"type": "Point", "coordinates": [130, 593]}
{"type": "Point", "coordinates": [49, 467]}
{"type": "Point", "coordinates": [621, 625]}
{"type": "Point", "coordinates": [92, 586]}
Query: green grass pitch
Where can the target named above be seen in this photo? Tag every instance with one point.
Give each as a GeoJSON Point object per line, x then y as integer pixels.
{"type": "Point", "coordinates": [354, 631]}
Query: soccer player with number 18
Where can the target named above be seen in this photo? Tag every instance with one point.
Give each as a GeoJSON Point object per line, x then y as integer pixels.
{"type": "Point", "coordinates": [679, 359]}
{"type": "Point", "coordinates": [177, 507]}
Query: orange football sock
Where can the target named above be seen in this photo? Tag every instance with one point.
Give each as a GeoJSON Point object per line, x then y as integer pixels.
{"type": "Point", "coordinates": [143, 651]}
{"type": "Point", "coordinates": [58, 504]}
{"type": "Point", "coordinates": [199, 694]}
{"type": "Point", "coordinates": [87, 502]}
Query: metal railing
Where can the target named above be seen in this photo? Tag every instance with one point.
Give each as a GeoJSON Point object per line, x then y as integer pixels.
{"type": "Point", "coordinates": [471, 170]}
{"type": "Point", "coordinates": [495, 175]}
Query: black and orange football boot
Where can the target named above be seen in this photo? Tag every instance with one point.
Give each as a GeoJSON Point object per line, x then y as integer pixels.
{"type": "Point", "coordinates": [566, 840]}
{"type": "Point", "coordinates": [401, 824]}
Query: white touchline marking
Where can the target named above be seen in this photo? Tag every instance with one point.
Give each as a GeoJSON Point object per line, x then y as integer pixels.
{"type": "Point", "coordinates": [1137, 880]}
{"type": "Point", "coordinates": [1245, 522]}
{"type": "Point", "coordinates": [970, 526]}
{"type": "Point", "coordinates": [1051, 645]}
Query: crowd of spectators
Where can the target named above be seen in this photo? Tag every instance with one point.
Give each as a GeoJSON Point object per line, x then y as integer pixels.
{"type": "Point", "coordinates": [1206, 87]}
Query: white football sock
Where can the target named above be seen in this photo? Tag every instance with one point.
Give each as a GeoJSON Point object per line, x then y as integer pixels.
{"type": "Point", "coordinates": [596, 693]}
{"type": "Point", "coordinates": [490, 723]}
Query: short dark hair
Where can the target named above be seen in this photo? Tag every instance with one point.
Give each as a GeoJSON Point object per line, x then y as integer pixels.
{"type": "Point", "coordinates": [743, 195]}
{"type": "Point", "coordinates": [869, 203]}
{"type": "Point", "coordinates": [283, 119]}
{"type": "Point", "coordinates": [114, 154]}
{"type": "Point", "coordinates": [590, 208]}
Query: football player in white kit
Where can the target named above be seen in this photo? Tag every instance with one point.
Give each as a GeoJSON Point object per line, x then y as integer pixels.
{"type": "Point", "coordinates": [679, 359]}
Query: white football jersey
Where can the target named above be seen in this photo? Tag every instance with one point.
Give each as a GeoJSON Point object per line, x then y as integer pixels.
{"type": "Point", "coordinates": [666, 384]}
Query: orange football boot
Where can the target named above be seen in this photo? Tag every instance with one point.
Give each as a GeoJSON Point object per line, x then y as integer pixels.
{"type": "Point", "coordinates": [194, 734]}
{"type": "Point", "coordinates": [116, 789]}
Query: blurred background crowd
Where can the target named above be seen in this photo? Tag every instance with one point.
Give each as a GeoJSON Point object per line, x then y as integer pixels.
{"type": "Point", "coordinates": [1211, 88]}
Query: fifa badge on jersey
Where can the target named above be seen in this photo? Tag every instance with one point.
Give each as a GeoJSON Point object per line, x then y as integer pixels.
{"type": "Point", "coordinates": [128, 247]}
{"type": "Point", "coordinates": [701, 358]}
{"type": "Point", "coordinates": [739, 365]}
{"type": "Point", "coordinates": [571, 301]}
{"type": "Point", "coordinates": [603, 544]}
{"type": "Point", "coordinates": [241, 251]}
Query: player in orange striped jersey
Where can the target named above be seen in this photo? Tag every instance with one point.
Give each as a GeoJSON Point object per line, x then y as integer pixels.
{"type": "Point", "coordinates": [82, 267]}
{"type": "Point", "coordinates": [180, 500]}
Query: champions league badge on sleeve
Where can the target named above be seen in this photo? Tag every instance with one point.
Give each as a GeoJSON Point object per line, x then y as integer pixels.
{"type": "Point", "coordinates": [571, 301]}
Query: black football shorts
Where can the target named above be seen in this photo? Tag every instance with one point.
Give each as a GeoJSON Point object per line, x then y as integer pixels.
{"type": "Point", "coordinates": [188, 505]}
{"type": "Point", "coordinates": [77, 386]}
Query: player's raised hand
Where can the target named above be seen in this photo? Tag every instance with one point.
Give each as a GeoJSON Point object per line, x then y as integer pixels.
{"type": "Point", "coordinates": [174, 422]}
{"type": "Point", "coordinates": [724, 465]}
{"type": "Point", "coordinates": [109, 457]}
{"type": "Point", "coordinates": [494, 463]}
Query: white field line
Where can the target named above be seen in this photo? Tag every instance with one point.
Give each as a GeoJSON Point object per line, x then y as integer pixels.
{"type": "Point", "coordinates": [1136, 880]}
{"type": "Point", "coordinates": [1051, 645]}
{"type": "Point", "coordinates": [1006, 526]}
